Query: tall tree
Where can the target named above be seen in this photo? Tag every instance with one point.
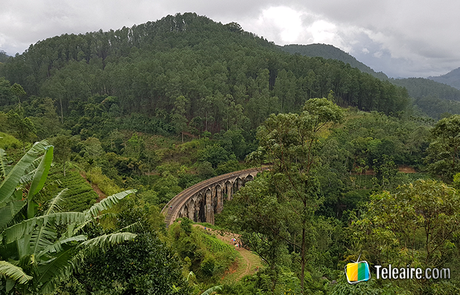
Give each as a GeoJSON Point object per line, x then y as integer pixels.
{"type": "Point", "coordinates": [291, 142]}
{"type": "Point", "coordinates": [23, 126]}
{"type": "Point", "coordinates": [444, 150]}
{"type": "Point", "coordinates": [417, 225]}
{"type": "Point", "coordinates": [181, 107]}
{"type": "Point", "coordinates": [18, 91]}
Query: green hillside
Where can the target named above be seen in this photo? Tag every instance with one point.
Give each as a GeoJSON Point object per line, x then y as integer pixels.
{"type": "Point", "coordinates": [331, 52]}
{"type": "Point", "coordinates": [432, 96]}
{"type": "Point", "coordinates": [452, 78]}
{"type": "Point", "coordinates": [129, 118]}
{"type": "Point", "coordinates": [3, 56]}
{"type": "Point", "coordinates": [219, 74]}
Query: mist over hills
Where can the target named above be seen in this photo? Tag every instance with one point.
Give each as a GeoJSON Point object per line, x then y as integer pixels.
{"type": "Point", "coordinates": [3, 56]}
{"type": "Point", "coordinates": [452, 78]}
{"type": "Point", "coordinates": [433, 96]}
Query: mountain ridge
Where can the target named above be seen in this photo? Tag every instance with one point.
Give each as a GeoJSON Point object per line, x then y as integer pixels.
{"type": "Point", "coordinates": [452, 78]}
{"type": "Point", "coordinates": [328, 51]}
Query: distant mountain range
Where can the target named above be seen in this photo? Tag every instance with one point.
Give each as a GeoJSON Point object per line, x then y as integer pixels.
{"type": "Point", "coordinates": [452, 78]}
{"type": "Point", "coordinates": [433, 96]}
{"type": "Point", "coordinates": [331, 52]}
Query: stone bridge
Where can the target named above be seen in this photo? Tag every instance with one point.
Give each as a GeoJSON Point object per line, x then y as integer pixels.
{"type": "Point", "coordinates": [203, 200]}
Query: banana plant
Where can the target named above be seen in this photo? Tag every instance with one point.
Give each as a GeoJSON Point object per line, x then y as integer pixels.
{"type": "Point", "coordinates": [38, 251]}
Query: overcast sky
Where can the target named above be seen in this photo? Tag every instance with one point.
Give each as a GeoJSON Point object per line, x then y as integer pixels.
{"type": "Point", "coordinates": [402, 38]}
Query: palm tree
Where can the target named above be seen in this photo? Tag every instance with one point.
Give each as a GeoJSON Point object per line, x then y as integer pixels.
{"type": "Point", "coordinates": [38, 251]}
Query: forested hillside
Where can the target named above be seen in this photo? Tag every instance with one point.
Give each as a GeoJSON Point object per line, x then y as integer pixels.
{"type": "Point", "coordinates": [3, 56]}
{"type": "Point", "coordinates": [98, 131]}
{"type": "Point", "coordinates": [452, 78]}
{"type": "Point", "coordinates": [220, 75]}
{"type": "Point", "coordinates": [331, 52]}
{"type": "Point", "coordinates": [433, 98]}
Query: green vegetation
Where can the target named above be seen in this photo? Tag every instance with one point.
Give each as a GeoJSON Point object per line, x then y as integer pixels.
{"type": "Point", "coordinates": [40, 245]}
{"type": "Point", "coordinates": [79, 196]}
{"type": "Point", "coordinates": [450, 78]}
{"type": "Point", "coordinates": [8, 141]}
{"type": "Point", "coordinates": [356, 168]}
{"type": "Point", "coordinates": [331, 52]}
{"type": "Point", "coordinates": [204, 255]}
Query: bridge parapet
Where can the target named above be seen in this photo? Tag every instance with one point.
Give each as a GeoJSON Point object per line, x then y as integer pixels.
{"type": "Point", "coordinates": [203, 200]}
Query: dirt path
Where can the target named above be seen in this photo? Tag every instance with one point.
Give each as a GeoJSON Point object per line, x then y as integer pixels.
{"type": "Point", "coordinates": [98, 191]}
{"type": "Point", "coordinates": [248, 265]}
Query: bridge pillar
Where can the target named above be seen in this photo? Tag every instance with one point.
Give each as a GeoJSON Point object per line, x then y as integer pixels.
{"type": "Point", "coordinates": [220, 201]}
{"type": "Point", "coordinates": [199, 209]}
{"type": "Point", "coordinates": [209, 208]}
{"type": "Point", "coordinates": [229, 191]}
{"type": "Point", "coordinates": [191, 210]}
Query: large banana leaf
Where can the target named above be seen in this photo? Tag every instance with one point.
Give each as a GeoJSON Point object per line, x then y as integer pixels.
{"type": "Point", "coordinates": [8, 212]}
{"type": "Point", "coordinates": [26, 227]}
{"type": "Point", "coordinates": [39, 178]}
{"type": "Point", "coordinates": [11, 181]}
{"type": "Point", "coordinates": [108, 202]}
{"type": "Point", "coordinates": [102, 243]}
{"type": "Point", "coordinates": [58, 246]}
{"type": "Point", "coordinates": [14, 272]}
{"type": "Point", "coordinates": [54, 270]}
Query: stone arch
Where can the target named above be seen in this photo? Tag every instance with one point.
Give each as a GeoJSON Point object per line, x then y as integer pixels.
{"type": "Point", "coordinates": [202, 201]}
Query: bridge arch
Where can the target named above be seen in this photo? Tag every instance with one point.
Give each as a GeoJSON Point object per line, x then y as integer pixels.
{"type": "Point", "coordinates": [203, 200]}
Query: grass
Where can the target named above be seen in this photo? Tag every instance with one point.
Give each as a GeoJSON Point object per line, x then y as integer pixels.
{"type": "Point", "coordinates": [254, 261]}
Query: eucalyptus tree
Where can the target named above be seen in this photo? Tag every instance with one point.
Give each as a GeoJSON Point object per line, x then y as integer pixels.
{"type": "Point", "coordinates": [291, 142]}
{"type": "Point", "coordinates": [444, 150]}
{"type": "Point", "coordinates": [39, 244]}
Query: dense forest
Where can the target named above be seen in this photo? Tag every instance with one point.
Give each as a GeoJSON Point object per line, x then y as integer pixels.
{"type": "Point", "coordinates": [435, 96]}
{"type": "Point", "coordinates": [452, 78]}
{"type": "Point", "coordinates": [331, 52]}
{"type": "Point", "coordinates": [98, 131]}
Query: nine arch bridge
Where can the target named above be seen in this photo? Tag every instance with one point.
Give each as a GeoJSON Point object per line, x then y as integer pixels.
{"type": "Point", "coordinates": [203, 200]}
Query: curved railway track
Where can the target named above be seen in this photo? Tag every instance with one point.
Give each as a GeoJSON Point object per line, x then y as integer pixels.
{"type": "Point", "coordinates": [172, 208]}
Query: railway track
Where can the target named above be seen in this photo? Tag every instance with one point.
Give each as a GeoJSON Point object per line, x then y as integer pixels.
{"type": "Point", "coordinates": [172, 208]}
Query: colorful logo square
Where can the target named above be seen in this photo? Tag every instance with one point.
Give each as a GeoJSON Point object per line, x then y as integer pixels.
{"type": "Point", "coordinates": [357, 272]}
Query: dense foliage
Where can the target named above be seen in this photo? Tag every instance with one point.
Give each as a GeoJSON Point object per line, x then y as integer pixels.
{"type": "Point", "coordinates": [164, 105]}
{"type": "Point", "coordinates": [331, 52]}
{"type": "Point", "coordinates": [451, 78]}
{"type": "Point", "coordinates": [228, 78]}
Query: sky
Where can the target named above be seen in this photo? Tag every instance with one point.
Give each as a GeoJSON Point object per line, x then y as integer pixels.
{"type": "Point", "coordinates": [402, 38]}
